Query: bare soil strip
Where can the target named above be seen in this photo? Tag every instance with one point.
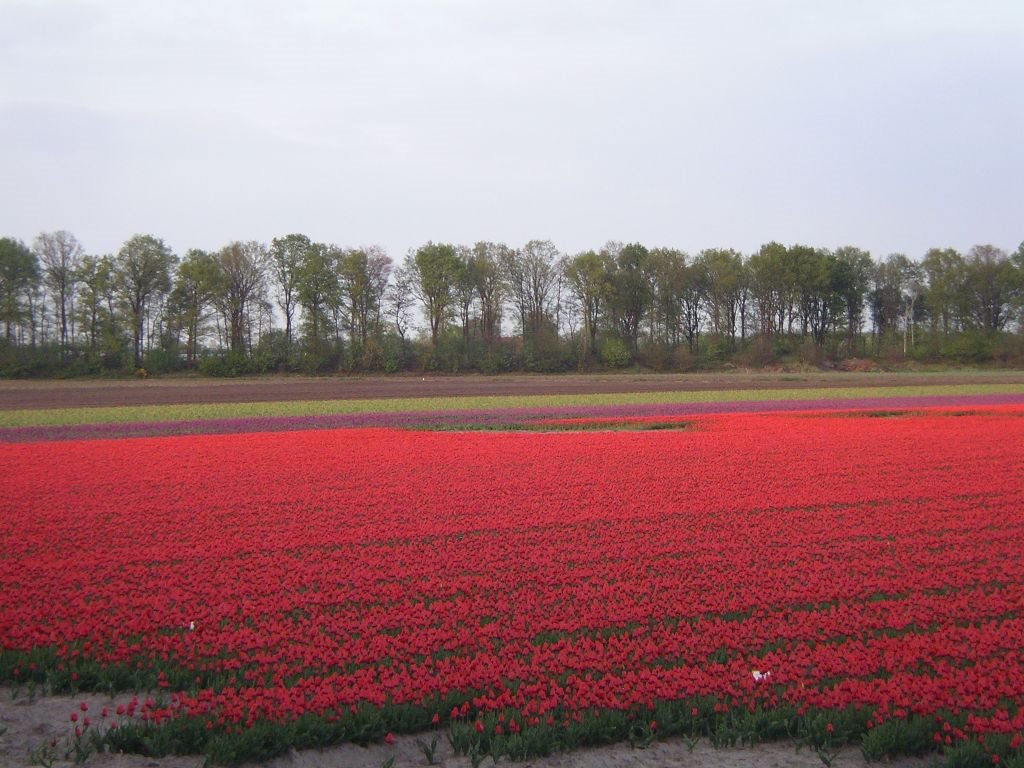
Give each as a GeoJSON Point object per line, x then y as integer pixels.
{"type": "Point", "coordinates": [16, 395]}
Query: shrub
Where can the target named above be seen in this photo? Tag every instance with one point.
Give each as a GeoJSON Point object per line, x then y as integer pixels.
{"type": "Point", "coordinates": [656, 356]}
{"type": "Point", "coordinates": [968, 348]}
{"type": "Point", "coordinates": [615, 353]}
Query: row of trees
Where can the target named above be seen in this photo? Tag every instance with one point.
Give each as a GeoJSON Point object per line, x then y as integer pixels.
{"type": "Point", "coordinates": [300, 304]}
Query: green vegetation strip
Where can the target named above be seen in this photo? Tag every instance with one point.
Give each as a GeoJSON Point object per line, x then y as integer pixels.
{"type": "Point", "coordinates": [204, 411]}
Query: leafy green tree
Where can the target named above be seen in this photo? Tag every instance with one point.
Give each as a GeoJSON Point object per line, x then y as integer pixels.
{"type": "Point", "coordinates": [318, 289]}
{"type": "Point", "coordinates": [991, 285]}
{"type": "Point", "coordinates": [196, 285]}
{"type": "Point", "coordinates": [897, 286]}
{"type": "Point", "coordinates": [242, 278]}
{"type": "Point", "coordinates": [488, 281]}
{"type": "Point", "coordinates": [59, 255]}
{"type": "Point", "coordinates": [363, 278]}
{"type": "Point", "coordinates": [286, 257]}
{"type": "Point", "coordinates": [725, 270]}
{"type": "Point", "coordinates": [95, 281]}
{"type": "Point", "coordinates": [886, 296]}
{"type": "Point", "coordinates": [693, 297]}
{"type": "Point", "coordinates": [822, 301]}
{"type": "Point", "coordinates": [853, 271]}
{"type": "Point", "coordinates": [433, 270]}
{"type": "Point", "coordinates": [531, 276]}
{"type": "Point", "coordinates": [667, 271]}
{"type": "Point", "coordinates": [769, 287]}
{"type": "Point", "coordinates": [589, 280]}
{"type": "Point", "coordinates": [1017, 260]}
{"type": "Point", "coordinates": [807, 277]}
{"type": "Point", "coordinates": [398, 302]}
{"type": "Point", "coordinates": [913, 303]}
{"type": "Point", "coordinates": [945, 273]}
{"type": "Point", "coordinates": [142, 272]}
{"type": "Point", "coordinates": [631, 290]}
{"type": "Point", "coordinates": [464, 291]}
{"type": "Point", "coordinates": [19, 276]}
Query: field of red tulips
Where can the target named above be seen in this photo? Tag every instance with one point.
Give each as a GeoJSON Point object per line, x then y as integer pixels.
{"type": "Point", "coordinates": [829, 577]}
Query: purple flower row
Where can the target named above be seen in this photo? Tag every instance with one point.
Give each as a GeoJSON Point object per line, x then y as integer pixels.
{"type": "Point", "coordinates": [476, 418]}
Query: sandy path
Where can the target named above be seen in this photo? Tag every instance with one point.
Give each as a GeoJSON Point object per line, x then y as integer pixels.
{"type": "Point", "coordinates": [87, 393]}
{"type": "Point", "coordinates": [29, 726]}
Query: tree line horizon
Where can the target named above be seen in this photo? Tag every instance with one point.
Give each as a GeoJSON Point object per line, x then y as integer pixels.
{"type": "Point", "coordinates": [301, 305]}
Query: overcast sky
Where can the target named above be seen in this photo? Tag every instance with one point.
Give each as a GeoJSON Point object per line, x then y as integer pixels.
{"type": "Point", "coordinates": [895, 126]}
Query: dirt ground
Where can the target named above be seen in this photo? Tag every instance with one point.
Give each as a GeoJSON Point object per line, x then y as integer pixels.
{"type": "Point", "coordinates": [183, 390]}
{"type": "Point", "coordinates": [37, 732]}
